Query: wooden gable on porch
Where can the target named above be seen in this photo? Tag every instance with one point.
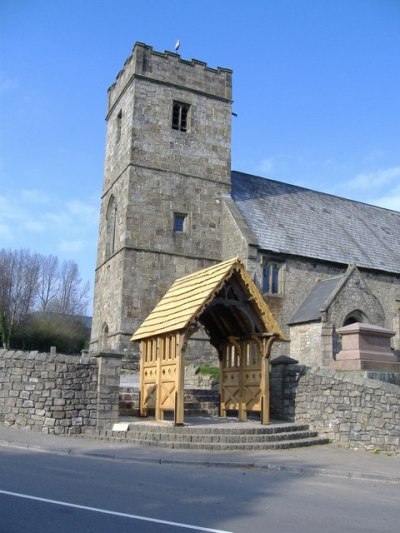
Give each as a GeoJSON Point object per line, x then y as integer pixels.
{"type": "Point", "coordinates": [201, 295]}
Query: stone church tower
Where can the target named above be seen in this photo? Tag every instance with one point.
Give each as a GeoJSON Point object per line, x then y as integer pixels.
{"type": "Point", "coordinates": [167, 164]}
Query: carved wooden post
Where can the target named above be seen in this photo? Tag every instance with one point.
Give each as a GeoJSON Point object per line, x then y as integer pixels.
{"type": "Point", "coordinates": [222, 362]}
{"type": "Point", "coordinates": [144, 345]}
{"type": "Point", "coordinates": [159, 414]}
{"type": "Point", "coordinates": [180, 380]}
{"type": "Point", "coordinates": [264, 346]}
{"type": "Point", "coordinates": [264, 385]}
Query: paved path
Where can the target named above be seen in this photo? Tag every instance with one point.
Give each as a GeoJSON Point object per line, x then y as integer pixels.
{"type": "Point", "coordinates": [324, 460]}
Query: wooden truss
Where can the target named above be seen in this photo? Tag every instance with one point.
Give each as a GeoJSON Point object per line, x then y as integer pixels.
{"type": "Point", "coordinates": [225, 301]}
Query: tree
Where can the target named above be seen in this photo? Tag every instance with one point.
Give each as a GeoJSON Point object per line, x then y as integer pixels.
{"type": "Point", "coordinates": [32, 282]}
{"type": "Point", "coordinates": [72, 296]}
{"type": "Point", "coordinates": [19, 276]}
{"type": "Point", "coordinates": [48, 281]}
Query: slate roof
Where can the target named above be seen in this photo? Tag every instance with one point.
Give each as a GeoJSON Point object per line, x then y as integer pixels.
{"type": "Point", "coordinates": [292, 220]}
{"type": "Point", "coordinates": [188, 297]}
{"type": "Point", "coordinates": [310, 309]}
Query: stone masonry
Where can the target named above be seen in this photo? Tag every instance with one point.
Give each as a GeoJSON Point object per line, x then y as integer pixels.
{"type": "Point", "coordinates": [59, 394]}
{"type": "Point", "coordinates": [352, 409]}
{"type": "Point", "coordinates": [52, 393]}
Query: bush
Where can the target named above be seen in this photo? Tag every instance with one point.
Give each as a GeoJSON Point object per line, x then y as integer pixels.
{"type": "Point", "coordinates": [40, 331]}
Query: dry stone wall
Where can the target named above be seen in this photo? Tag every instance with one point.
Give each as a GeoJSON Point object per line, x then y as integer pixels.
{"type": "Point", "coordinates": [51, 393]}
{"type": "Point", "coordinates": [353, 410]}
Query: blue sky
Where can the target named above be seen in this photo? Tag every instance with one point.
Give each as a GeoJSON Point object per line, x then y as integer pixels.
{"type": "Point", "coordinates": [316, 90]}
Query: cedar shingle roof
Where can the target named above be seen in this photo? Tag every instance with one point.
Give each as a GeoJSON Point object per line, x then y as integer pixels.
{"type": "Point", "coordinates": [188, 297]}
{"type": "Point", "coordinates": [292, 220]}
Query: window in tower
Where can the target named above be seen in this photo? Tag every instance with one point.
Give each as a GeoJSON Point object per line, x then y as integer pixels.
{"type": "Point", "coordinates": [118, 126]}
{"type": "Point", "coordinates": [179, 222]}
{"type": "Point", "coordinates": [111, 216]}
{"type": "Point", "coordinates": [180, 116]}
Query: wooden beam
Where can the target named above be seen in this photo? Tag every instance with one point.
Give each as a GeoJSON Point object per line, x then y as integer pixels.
{"type": "Point", "coordinates": [180, 343]}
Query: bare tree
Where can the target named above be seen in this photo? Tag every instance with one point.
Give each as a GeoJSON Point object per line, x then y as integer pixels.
{"type": "Point", "coordinates": [48, 281]}
{"type": "Point", "coordinates": [19, 275]}
{"type": "Point", "coordinates": [33, 282]}
{"type": "Point", "coordinates": [72, 297]}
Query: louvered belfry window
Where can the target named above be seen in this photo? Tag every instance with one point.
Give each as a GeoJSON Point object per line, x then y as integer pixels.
{"type": "Point", "coordinates": [180, 116]}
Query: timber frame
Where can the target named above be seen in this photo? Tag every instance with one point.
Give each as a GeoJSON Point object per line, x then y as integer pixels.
{"type": "Point", "coordinates": [225, 301]}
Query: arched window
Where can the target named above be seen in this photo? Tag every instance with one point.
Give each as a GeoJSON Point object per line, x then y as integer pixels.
{"type": "Point", "coordinates": [104, 336]}
{"type": "Point", "coordinates": [111, 217]}
{"type": "Point", "coordinates": [355, 316]}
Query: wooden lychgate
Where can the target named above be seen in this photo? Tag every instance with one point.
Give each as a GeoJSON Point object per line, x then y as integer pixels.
{"type": "Point", "coordinates": [225, 301]}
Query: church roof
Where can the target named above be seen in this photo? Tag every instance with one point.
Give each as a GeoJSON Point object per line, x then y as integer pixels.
{"type": "Point", "coordinates": [310, 309]}
{"type": "Point", "coordinates": [291, 220]}
{"type": "Point", "coordinates": [189, 297]}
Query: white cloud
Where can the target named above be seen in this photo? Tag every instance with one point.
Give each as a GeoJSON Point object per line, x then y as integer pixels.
{"type": "Point", "coordinates": [34, 226]}
{"type": "Point", "coordinates": [389, 200]}
{"type": "Point", "coordinates": [7, 84]}
{"type": "Point", "coordinates": [5, 231]}
{"type": "Point", "coordinates": [71, 246]}
{"type": "Point", "coordinates": [376, 179]}
{"type": "Point", "coordinates": [266, 166]}
{"type": "Point", "coordinates": [83, 210]}
{"type": "Point", "coordinates": [34, 196]}
{"type": "Point", "coordinates": [68, 225]}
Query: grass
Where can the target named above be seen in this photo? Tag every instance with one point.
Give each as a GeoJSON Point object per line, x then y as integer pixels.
{"type": "Point", "coordinates": [212, 371]}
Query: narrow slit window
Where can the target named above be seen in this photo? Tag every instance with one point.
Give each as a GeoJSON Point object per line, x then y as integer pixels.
{"type": "Point", "coordinates": [119, 126]}
{"type": "Point", "coordinates": [180, 116]}
{"type": "Point", "coordinates": [179, 222]}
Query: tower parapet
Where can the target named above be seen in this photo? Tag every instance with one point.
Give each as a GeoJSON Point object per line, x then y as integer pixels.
{"type": "Point", "coordinates": [169, 68]}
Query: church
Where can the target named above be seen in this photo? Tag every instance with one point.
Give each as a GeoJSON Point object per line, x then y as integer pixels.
{"type": "Point", "coordinates": [171, 205]}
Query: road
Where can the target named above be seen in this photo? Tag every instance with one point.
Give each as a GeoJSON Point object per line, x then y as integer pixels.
{"type": "Point", "coordinates": [49, 493]}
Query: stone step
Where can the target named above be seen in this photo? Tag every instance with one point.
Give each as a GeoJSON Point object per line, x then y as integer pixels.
{"type": "Point", "coordinates": [216, 426]}
{"type": "Point", "coordinates": [198, 411]}
{"type": "Point", "coordinates": [221, 439]}
{"type": "Point", "coordinates": [214, 433]}
{"type": "Point", "coordinates": [223, 446]}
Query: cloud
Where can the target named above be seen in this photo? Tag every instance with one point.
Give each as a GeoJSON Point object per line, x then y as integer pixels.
{"type": "Point", "coordinates": [27, 215]}
{"type": "Point", "coordinates": [83, 210]}
{"type": "Point", "coordinates": [34, 196]}
{"type": "Point", "coordinates": [390, 200]}
{"type": "Point", "coordinates": [7, 84]}
{"type": "Point", "coordinates": [5, 232]}
{"type": "Point", "coordinates": [71, 246]}
{"type": "Point", "coordinates": [266, 166]}
{"type": "Point", "coordinates": [376, 179]}
{"type": "Point", "coordinates": [34, 226]}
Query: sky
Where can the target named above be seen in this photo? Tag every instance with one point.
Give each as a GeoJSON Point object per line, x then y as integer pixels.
{"type": "Point", "coordinates": [316, 89]}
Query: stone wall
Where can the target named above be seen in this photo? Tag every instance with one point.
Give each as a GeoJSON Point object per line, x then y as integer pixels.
{"type": "Point", "coordinates": [353, 410]}
{"type": "Point", "coordinates": [305, 343]}
{"type": "Point", "coordinates": [51, 393]}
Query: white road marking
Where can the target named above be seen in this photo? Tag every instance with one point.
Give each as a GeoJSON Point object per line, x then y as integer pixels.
{"type": "Point", "coordinates": [114, 513]}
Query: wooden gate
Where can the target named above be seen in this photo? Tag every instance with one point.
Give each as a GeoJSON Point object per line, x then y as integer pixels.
{"type": "Point", "coordinates": [244, 377]}
{"type": "Point", "coordinates": [161, 376]}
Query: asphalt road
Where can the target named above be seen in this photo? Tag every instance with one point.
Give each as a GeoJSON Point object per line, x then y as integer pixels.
{"type": "Point", "coordinates": [47, 493]}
